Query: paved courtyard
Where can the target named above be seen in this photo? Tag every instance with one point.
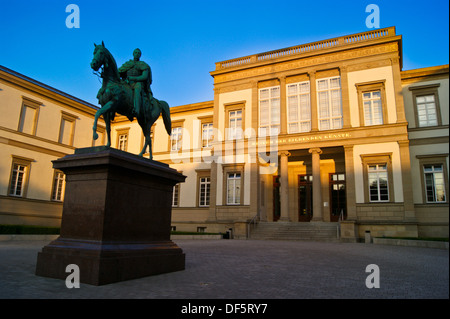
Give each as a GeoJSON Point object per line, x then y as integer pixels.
{"type": "Point", "coordinates": [248, 269]}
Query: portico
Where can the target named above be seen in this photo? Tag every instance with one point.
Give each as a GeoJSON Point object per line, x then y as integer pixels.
{"type": "Point", "coordinates": [310, 186]}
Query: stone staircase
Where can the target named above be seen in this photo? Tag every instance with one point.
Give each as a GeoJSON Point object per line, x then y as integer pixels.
{"type": "Point", "coordinates": [313, 231]}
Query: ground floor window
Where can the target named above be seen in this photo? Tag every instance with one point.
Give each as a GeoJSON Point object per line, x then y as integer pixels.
{"type": "Point", "coordinates": [176, 195]}
{"type": "Point", "coordinates": [17, 180]}
{"type": "Point", "coordinates": [434, 183]}
{"type": "Point", "coordinates": [58, 186]}
{"type": "Point", "coordinates": [205, 185]}
{"type": "Point", "coordinates": [378, 183]}
{"type": "Point", "coordinates": [20, 171]}
{"type": "Point", "coordinates": [233, 188]}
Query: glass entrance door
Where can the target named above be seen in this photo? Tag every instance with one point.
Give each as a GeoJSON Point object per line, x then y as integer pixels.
{"type": "Point", "coordinates": [304, 198]}
{"type": "Point", "coordinates": [337, 197]}
{"type": "Point", "coordinates": [276, 198]}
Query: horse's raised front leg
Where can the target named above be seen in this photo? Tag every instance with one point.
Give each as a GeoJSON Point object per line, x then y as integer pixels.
{"type": "Point", "coordinates": [106, 108]}
{"type": "Point", "coordinates": [107, 117]}
{"type": "Point", "coordinates": [148, 141]}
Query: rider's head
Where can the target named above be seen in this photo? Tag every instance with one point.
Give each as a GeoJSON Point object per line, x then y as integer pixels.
{"type": "Point", "coordinates": [137, 54]}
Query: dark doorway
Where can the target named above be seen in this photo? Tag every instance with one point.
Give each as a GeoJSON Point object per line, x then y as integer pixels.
{"type": "Point", "coordinates": [305, 211]}
{"type": "Point", "coordinates": [337, 197]}
{"type": "Point", "coordinates": [276, 198]}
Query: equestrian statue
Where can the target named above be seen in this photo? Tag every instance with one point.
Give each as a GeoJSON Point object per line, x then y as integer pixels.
{"type": "Point", "coordinates": [127, 91]}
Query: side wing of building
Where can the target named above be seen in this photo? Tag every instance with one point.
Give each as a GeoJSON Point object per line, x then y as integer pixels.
{"type": "Point", "coordinates": [38, 124]}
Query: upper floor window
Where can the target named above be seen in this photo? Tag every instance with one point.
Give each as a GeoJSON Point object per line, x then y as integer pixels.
{"type": "Point", "coordinates": [207, 134]}
{"type": "Point", "coordinates": [329, 102]}
{"type": "Point", "coordinates": [67, 129]}
{"type": "Point", "coordinates": [176, 138]}
{"type": "Point", "coordinates": [269, 111]}
{"type": "Point", "coordinates": [373, 111]}
{"type": "Point", "coordinates": [29, 116]}
{"type": "Point", "coordinates": [235, 124]}
{"type": "Point", "coordinates": [426, 110]}
{"type": "Point", "coordinates": [372, 103]}
{"type": "Point", "coordinates": [299, 107]}
{"type": "Point", "coordinates": [426, 105]}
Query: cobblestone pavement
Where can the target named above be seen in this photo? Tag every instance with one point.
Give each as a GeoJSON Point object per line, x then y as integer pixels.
{"type": "Point", "coordinates": [248, 269]}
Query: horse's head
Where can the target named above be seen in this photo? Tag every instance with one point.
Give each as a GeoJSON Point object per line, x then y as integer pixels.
{"type": "Point", "coordinates": [99, 56]}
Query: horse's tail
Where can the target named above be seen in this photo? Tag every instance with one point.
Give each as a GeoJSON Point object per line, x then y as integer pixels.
{"type": "Point", "coordinates": [165, 111]}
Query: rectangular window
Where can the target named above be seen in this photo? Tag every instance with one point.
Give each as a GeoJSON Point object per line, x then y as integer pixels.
{"type": "Point", "coordinates": [27, 120]}
{"type": "Point", "coordinates": [29, 116]}
{"type": "Point", "coordinates": [426, 110]}
{"type": "Point", "coordinates": [204, 191]}
{"type": "Point", "coordinates": [67, 128]}
{"type": "Point", "coordinates": [269, 111]}
{"type": "Point", "coordinates": [233, 188]}
{"type": "Point", "coordinates": [378, 183]}
{"type": "Point", "coordinates": [18, 177]}
{"type": "Point", "coordinates": [373, 110]}
{"type": "Point", "coordinates": [175, 195]}
{"type": "Point", "coordinates": [176, 138]}
{"type": "Point", "coordinates": [329, 102]}
{"type": "Point", "coordinates": [434, 183]}
{"type": "Point", "coordinates": [122, 143]}
{"type": "Point", "coordinates": [299, 107]}
{"type": "Point", "coordinates": [207, 134]}
{"type": "Point", "coordinates": [235, 125]}
{"type": "Point", "coordinates": [58, 186]}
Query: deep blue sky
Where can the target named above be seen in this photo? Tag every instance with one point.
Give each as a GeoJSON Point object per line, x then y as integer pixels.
{"type": "Point", "coordinates": [182, 40]}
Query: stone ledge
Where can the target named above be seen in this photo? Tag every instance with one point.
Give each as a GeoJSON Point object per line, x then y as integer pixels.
{"type": "Point", "coordinates": [27, 237]}
{"type": "Point", "coordinates": [411, 243]}
{"type": "Point", "coordinates": [175, 237]}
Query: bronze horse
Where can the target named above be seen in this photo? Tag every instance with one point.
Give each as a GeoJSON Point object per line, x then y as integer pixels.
{"type": "Point", "coordinates": [116, 96]}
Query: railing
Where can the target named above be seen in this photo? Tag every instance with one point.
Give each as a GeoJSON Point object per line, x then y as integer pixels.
{"type": "Point", "coordinates": [254, 222]}
{"type": "Point", "coordinates": [341, 218]}
{"type": "Point", "coordinates": [309, 47]}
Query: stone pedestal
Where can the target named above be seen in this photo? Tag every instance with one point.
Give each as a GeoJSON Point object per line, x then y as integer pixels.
{"type": "Point", "coordinates": [116, 218]}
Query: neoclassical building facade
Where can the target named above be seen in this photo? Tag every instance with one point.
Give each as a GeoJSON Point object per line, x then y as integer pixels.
{"type": "Point", "coordinates": [327, 132]}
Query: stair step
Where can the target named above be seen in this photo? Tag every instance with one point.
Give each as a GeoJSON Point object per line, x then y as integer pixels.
{"type": "Point", "coordinates": [295, 231]}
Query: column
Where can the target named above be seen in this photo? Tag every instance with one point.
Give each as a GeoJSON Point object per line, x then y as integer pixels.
{"type": "Point", "coordinates": [401, 118]}
{"type": "Point", "coordinates": [408, 198]}
{"type": "Point", "coordinates": [283, 108]}
{"type": "Point", "coordinates": [350, 187]}
{"type": "Point", "coordinates": [213, 191]}
{"type": "Point", "coordinates": [284, 186]}
{"type": "Point", "coordinates": [313, 95]}
{"type": "Point", "coordinates": [345, 98]}
{"type": "Point", "coordinates": [317, 185]}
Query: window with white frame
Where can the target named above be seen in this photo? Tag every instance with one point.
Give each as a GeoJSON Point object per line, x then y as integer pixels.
{"type": "Point", "coordinates": [434, 183]}
{"type": "Point", "coordinates": [299, 107]}
{"type": "Point", "coordinates": [269, 111]}
{"type": "Point", "coordinates": [235, 124]}
{"type": "Point", "coordinates": [329, 102]}
{"type": "Point", "coordinates": [378, 182]}
{"type": "Point", "coordinates": [207, 134]}
{"type": "Point", "coordinates": [176, 195]}
{"type": "Point", "coordinates": [176, 138]}
{"type": "Point", "coordinates": [373, 109]}
{"type": "Point", "coordinates": [18, 177]}
{"type": "Point", "coordinates": [233, 188]}
{"type": "Point", "coordinates": [58, 186]}
{"type": "Point", "coordinates": [204, 191]}
{"type": "Point", "coordinates": [426, 110]}
{"type": "Point", "coordinates": [122, 142]}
